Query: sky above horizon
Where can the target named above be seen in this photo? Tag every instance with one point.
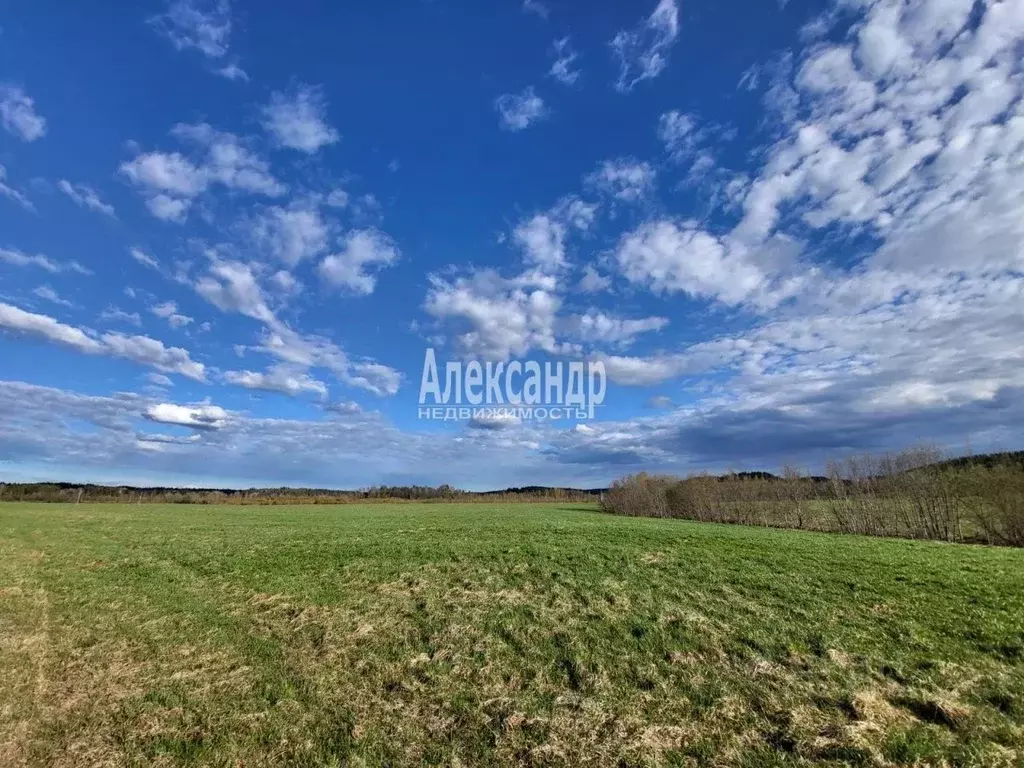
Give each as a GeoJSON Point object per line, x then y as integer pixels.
{"type": "Point", "coordinates": [792, 231]}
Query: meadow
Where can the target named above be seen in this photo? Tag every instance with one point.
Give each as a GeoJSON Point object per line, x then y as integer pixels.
{"type": "Point", "coordinates": [490, 634]}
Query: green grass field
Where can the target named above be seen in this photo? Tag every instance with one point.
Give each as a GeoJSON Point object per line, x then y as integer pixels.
{"type": "Point", "coordinates": [479, 635]}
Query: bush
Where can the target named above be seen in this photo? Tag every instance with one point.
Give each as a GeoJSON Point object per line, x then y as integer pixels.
{"type": "Point", "coordinates": [915, 493]}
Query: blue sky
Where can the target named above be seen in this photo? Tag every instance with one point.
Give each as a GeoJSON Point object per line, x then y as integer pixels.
{"type": "Point", "coordinates": [228, 233]}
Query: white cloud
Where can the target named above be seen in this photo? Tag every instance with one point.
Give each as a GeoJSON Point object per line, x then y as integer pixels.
{"type": "Point", "coordinates": [597, 327]}
{"type": "Point", "coordinates": [170, 180]}
{"type": "Point", "coordinates": [47, 293]}
{"type": "Point", "coordinates": [379, 379]}
{"type": "Point", "coordinates": [750, 79]}
{"type": "Point", "coordinates": [281, 378]}
{"type": "Point", "coordinates": [20, 259]}
{"type": "Point", "coordinates": [678, 130]}
{"type": "Point", "coordinates": [543, 236]}
{"type": "Point", "coordinates": [144, 258]}
{"type": "Point", "coordinates": [338, 198]}
{"type": "Point", "coordinates": [625, 179]}
{"type": "Point", "coordinates": [147, 351]}
{"type": "Point", "coordinates": [231, 286]}
{"type": "Point", "coordinates": [362, 248]}
{"type": "Point", "coordinates": [202, 417]}
{"type": "Point", "coordinates": [286, 283]}
{"type": "Point", "coordinates": [86, 197]}
{"type": "Point", "coordinates": [642, 372]}
{"type": "Point", "coordinates": [643, 51]}
{"type": "Point", "coordinates": [233, 72]}
{"type": "Point", "coordinates": [140, 349]}
{"type": "Point", "coordinates": [317, 352]}
{"type": "Point", "coordinates": [543, 239]}
{"type": "Point", "coordinates": [909, 132]}
{"type": "Point", "coordinates": [167, 172]}
{"type": "Point", "coordinates": [18, 114]}
{"type": "Point", "coordinates": [497, 420]}
{"type": "Point", "coordinates": [204, 25]}
{"type": "Point", "coordinates": [45, 327]}
{"type": "Point", "coordinates": [116, 315]}
{"type": "Point", "coordinates": [12, 193]}
{"type": "Point", "coordinates": [519, 111]}
{"type": "Point", "coordinates": [344, 408]}
{"type": "Point", "coordinates": [168, 310]}
{"type": "Point", "coordinates": [229, 162]}
{"type": "Point", "coordinates": [246, 450]}
{"type": "Point", "coordinates": [169, 208]}
{"type": "Point", "coordinates": [159, 380]}
{"type": "Point", "coordinates": [496, 318]}
{"type": "Point", "coordinates": [535, 7]}
{"type": "Point", "coordinates": [291, 234]}
{"type": "Point", "coordinates": [297, 119]}
{"type": "Point", "coordinates": [562, 68]}
{"type": "Point", "coordinates": [592, 281]}
{"type": "Point", "coordinates": [668, 257]}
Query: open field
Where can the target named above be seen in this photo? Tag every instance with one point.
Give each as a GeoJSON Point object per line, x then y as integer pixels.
{"type": "Point", "coordinates": [496, 635]}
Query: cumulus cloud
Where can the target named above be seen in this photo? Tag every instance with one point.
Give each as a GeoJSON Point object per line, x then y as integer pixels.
{"type": "Point", "coordinates": [495, 318]}
{"type": "Point", "coordinates": [902, 132]}
{"type": "Point", "coordinates": [13, 194]}
{"type": "Point", "coordinates": [245, 450]}
{"type": "Point", "coordinates": [642, 52]}
{"type": "Point", "coordinates": [565, 57]}
{"type": "Point", "coordinates": [46, 293]}
{"type": "Point", "coordinates": [520, 110]}
{"type": "Point", "coordinates": [381, 380]}
{"type": "Point", "coordinates": [667, 256]}
{"type": "Point", "coordinates": [338, 198]}
{"type": "Point", "coordinates": [686, 141]}
{"type": "Point", "coordinates": [493, 421]}
{"type": "Point", "coordinates": [536, 7]}
{"type": "Point", "coordinates": [625, 179]}
{"type": "Point", "coordinates": [297, 119]}
{"type": "Point", "coordinates": [44, 327]}
{"type": "Point", "coordinates": [285, 283]}
{"type": "Point", "coordinates": [139, 349]}
{"type": "Point", "coordinates": [117, 315]}
{"type": "Point", "coordinates": [18, 114]}
{"type": "Point", "coordinates": [203, 417]}
{"type": "Point", "coordinates": [171, 180]}
{"type": "Point", "coordinates": [593, 281]}
{"type": "Point", "coordinates": [21, 259]}
{"type": "Point", "coordinates": [361, 249]}
{"type": "Point", "coordinates": [86, 197]}
{"type": "Point", "coordinates": [231, 286]}
{"type": "Point", "coordinates": [168, 310]}
{"type": "Point", "coordinates": [291, 234]}
{"type": "Point", "coordinates": [596, 327]}
{"type": "Point", "coordinates": [282, 378]}
{"type": "Point", "coordinates": [144, 258]}
{"type": "Point", "coordinates": [169, 208]}
{"type": "Point", "coordinates": [542, 238]}
{"type": "Point", "coordinates": [202, 25]}
{"type": "Point", "coordinates": [233, 72]}
{"type": "Point", "coordinates": [147, 351]}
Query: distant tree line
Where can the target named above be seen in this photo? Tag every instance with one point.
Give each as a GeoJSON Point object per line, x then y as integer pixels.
{"type": "Point", "coordinates": [916, 493]}
{"type": "Point", "coordinates": [74, 493]}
